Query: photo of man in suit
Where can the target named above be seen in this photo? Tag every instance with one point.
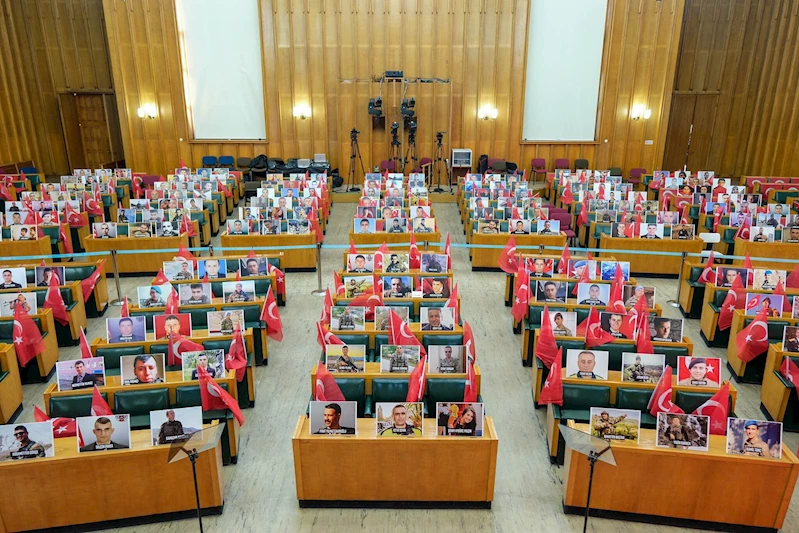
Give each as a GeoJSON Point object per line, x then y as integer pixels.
{"type": "Point", "coordinates": [81, 379]}
{"type": "Point", "coordinates": [126, 332]}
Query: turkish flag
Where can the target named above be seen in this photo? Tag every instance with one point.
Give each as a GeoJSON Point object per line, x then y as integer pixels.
{"type": "Point", "coordinates": [601, 195]}
{"type": "Point", "coordinates": [137, 189]}
{"type": "Point", "coordinates": [616, 301]}
{"type": "Point", "coordinates": [62, 234]}
{"type": "Point", "coordinates": [470, 390]}
{"type": "Point", "coordinates": [452, 302]}
{"type": "Point", "coordinates": [325, 337]}
{"type": "Point", "coordinates": [717, 409]}
{"type": "Point", "coordinates": [521, 294]}
{"type": "Point", "coordinates": [563, 263]}
{"type": "Point", "coordinates": [53, 300]}
{"type": "Point", "coordinates": [178, 345]}
{"type": "Point", "coordinates": [172, 303]}
{"type": "Point", "coordinates": [448, 251]}
{"type": "Point", "coordinates": [5, 194]}
{"type": "Point", "coordinates": [62, 427]}
{"type": "Point", "coordinates": [280, 278]}
{"type": "Point", "coordinates": [507, 259]}
{"type": "Point", "coordinates": [629, 324]}
{"type": "Point", "coordinates": [660, 401]}
{"type": "Point", "coordinates": [353, 249]}
{"type": "Point", "coordinates": [582, 219]}
{"type": "Point", "coordinates": [709, 273]}
{"type": "Point", "coordinates": [468, 342]}
{"type": "Point", "coordinates": [743, 230]}
{"type": "Point", "coordinates": [90, 283]}
{"type": "Point", "coordinates": [74, 218]}
{"type": "Point", "coordinates": [727, 308]}
{"type": "Point", "coordinates": [271, 316]}
{"type": "Point", "coordinates": [416, 381]}
{"type": "Point", "coordinates": [85, 348]}
{"type": "Point", "coordinates": [251, 254]}
{"type": "Point", "coordinates": [753, 339]}
{"type": "Point", "coordinates": [716, 222]}
{"type": "Point", "coordinates": [27, 337]}
{"type": "Point", "coordinates": [415, 257]}
{"type": "Point", "coordinates": [754, 302]}
{"type": "Point", "coordinates": [780, 291]}
{"type": "Point", "coordinates": [400, 333]}
{"type": "Point", "coordinates": [594, 334]}
{"type": "Point", "coordinates": [215, 397]}
{"type": "Point", "coordinates": [160, 278]}
{"type": "Point", "coordinates": [643, 343]}
{"type": "Point", "coordinates": [124, 312]}
{"type": "Point", "coordinates": [339, 285]}
{"type": "Point", "coordinates": [315, 227]}
{"type": "Point", "coordinates": [585, 277]}
{"type": "Point", "coordinates": [750, 278]}
{"type": "Point", "coordinates": [187, 226]}
{"type": "Point", "coordinates": [552, 391]}
{"type": "Point", "coordinates": [379, 256]}
{"type": "Point", "coordinates": [238, 274]}
{"type": "Point", "coordinates": [327, 390]}
{"type": "Point", "coordinates": [568, 197]}
{"type": "Point", "coordinates": [546, 346]}
{"type": "Point", "coordinates": [792, 281]}
{"type": "Point", "coordinates": [684, 215]}
{"type": "Point", "coordinates": [791, 372]}
{"type": "Point", "coordinates": [326, 307]}
{"type": "Point", "coordinates": [237, 355]}
{"type": "Point", "coordinates": [93, 205]}
{"type": "Point", "coordinates": [99, 406]}
{"type": "Point", "coordinates": [184, 253]}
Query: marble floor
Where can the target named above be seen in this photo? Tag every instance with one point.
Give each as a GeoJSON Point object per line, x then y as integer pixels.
{"type": "Point", "coordinates": [259, 491]}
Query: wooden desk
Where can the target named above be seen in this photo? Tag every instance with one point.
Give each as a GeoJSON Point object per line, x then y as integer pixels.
{"type": "Point", "coordinates": [774, 394]}
{"type": "Point", "coordinates": [300, 259]}
{"type": "Point", "coordinates": [47, 359]}
{"type": "Point", "coordinates": [416, 329]}
{"type": "Point", "coordinates": [36, 248]}
{"type": "Point", "coordinates": [692, 486]}
{"type": "Point", "coordinates": [361, 239]}
{"type": "Point", "coordinates": [321, 478]}
{"type": "Point", "coordinates": [116, 483]}
{"type": "Point", "coordinates": [777, 250]}
{"type": "Point", "coordinates": [10, 386]}
{"type": "Point", "coordinates": [137, 263]}
{"type": "Point", "coordinates": [76, 315]}
{"type": "Point", "coordinates": [487, 258]}
{"type": "Point", "coordinates": [734, 363]}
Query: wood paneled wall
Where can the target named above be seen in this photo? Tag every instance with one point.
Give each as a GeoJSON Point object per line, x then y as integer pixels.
{"type": "Point", "coordinates": [742, 58]}
{"type": "Point", "coordinates": [46, 47]}
{"type": "Point", "coordinates": [324, 52]}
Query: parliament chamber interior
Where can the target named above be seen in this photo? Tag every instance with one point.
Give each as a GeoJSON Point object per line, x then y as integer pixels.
{"type": "Point", "coordinates": [355, 265]}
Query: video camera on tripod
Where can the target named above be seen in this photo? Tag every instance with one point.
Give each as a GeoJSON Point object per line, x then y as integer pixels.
{"type": "Point", "coordinates": [354, 135]}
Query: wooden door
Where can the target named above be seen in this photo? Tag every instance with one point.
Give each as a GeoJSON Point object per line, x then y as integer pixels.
{"type": "Point", "coordinates": [691, 120]}
{"type": "Point", "coordinates": [91, 129]}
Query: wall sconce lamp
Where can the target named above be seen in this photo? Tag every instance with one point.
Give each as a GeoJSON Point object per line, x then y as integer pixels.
{"type": "Point", "coordinates": [638, 111]}
{"type": "Point", "coordinates": [487, 112]}
{"type": "Point", "coordinates": [302, 111]}
{"type": "Point", "coordinates": [147, 111]}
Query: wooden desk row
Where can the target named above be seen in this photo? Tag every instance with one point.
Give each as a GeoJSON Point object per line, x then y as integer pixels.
{"type": "Point", "coordinates": [361, 239]}
{"type": "Point", "coordinates": [298, 259]}
{"type": "Point", "coordinates": [45, 361]}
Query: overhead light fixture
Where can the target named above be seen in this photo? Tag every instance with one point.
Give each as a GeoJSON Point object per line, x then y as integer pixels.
{"type": "Point", "coordinates": [487, 112]}
{"type": "Point", "coordinates": [302, 111]}
{"type": "Point", "coordinates": [147, 111]}
{"type": "Point", "coordinates": [638, 111]}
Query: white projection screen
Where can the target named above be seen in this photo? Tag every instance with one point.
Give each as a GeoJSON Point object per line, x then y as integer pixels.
{"type": "Point", "coordinates": [564, 58]}
{"type": "Point", "coordinates": [223, 76]}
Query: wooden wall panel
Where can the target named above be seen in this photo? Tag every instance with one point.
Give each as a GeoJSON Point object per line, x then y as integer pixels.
{"type": "Point", "coordinates": [47, 47]}
{"type": "Point", "coordinates": [747, 53]}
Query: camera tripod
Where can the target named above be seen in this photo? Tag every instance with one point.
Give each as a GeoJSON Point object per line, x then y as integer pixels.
{"type": "Point", "coordinates": [395, 152]}
{"type": "Point", "coordinates": [438, 162]}
{"type": "Point", "coordinates": [414, 156]}
{"type": "Point", "coordinates": [355, 151]}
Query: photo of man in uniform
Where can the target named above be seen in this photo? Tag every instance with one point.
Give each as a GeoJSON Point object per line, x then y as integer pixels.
{"type": "Point", "coordinates": [397, 289]}
{"type": "Point", "coordinates": [360, 264]}
{"type": "Point", "coordinates": [395, 265]}
{"type": "Point", "coordinates": [593, 296]}
{"type": "Point", "coordinates": [196, 297]}
{"type": "Point", "coordinates": [213, 269]}
{"type": "Point", "coordinates": [400, 425]}
{"type": "Point", "coordinates": [698, 369]}
{"type": "Point", "coordinates": [26, 448]}
{"type": "Point", "coordinates": [145, 368]}
{"type": "Point", "coordinates": [754, 445]}
{"type": "Point", "coordinates": [172, 430]}
{"type": "Point", "coordinates": [540, 268]}
{"type": "Point", "coordinates": [450, 363]}
{"type": "Point", "coordinates": [238, 295]}
{"type": "Point", "coordinates": [155, 300]}
{"type": "Point", "coordinates": [202, 362]}
{"type": "Point", "coordinates": [126, 332]}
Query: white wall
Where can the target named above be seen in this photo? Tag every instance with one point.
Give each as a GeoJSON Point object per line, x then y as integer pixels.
{"type": "Point", "coordinates": [564, 58]}
{"type": "Point", "coordinates": [221, 49]}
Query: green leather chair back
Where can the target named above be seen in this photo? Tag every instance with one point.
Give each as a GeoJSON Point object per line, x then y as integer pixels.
{"type": "Point", "coordinates": [354, 390]}
{"type": "Point", "coordinates": [199, 316]}
{"type": "Point", "coordinates": [569, 345]}
{"type": "Point", "coordinates": [148, 317]}
{"type": "Point", "coordinates": [111, 354]}
{"type": "Point", "coordinates": [719, 296]}
{"type": "Point", "coordinates": [7, 329]}
{"type": "Point", "coordinates": [442, 340]}
{"type": "Point", "coordinates": [389, 390]}
{"type": "Point", "coordinates": [636, 399]}
{"type": "Point", "coordinates": [585, 396]}
{"type": "Point", "coordinates": [444, 390]}
{"type": "Point", "coordinates": [614, 354]}
{"type": "Point", "coordinates": [141, 402]}
{"type": "Point", "coordinates": [582, 314]}
{"type": "Point", "coordinates": [252, 315]}
{"type": "Point", "coordinates": [217, 344]}
{"type": "Point", "coordinates": [689, 401]}
{"type": "Point", "coordinates": [189, 395]}
{"type": "Point", "coordinates": [380, 340]}
{"type": "Point", "coordinates": [72, 405]}
{"type": "Point", "coordinates": [672, 353]}
{"type": "Point", "coordinates": [695, 273]}
{"type": "Point", "coordinates": [355, 339]}
{"type": "Point", "coordinates": [534, 315]}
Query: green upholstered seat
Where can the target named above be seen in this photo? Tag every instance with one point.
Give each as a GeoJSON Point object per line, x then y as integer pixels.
{"type": "Point", "coordinates": [73, 405]}
{"type": "Point", "coordinates": [688, 401]}
{"type": "Point", "coordinates": [636, 399]}
{"type": "Point", "coordinates": [718, 299]}
{"type": "Point", "coordinates": [111, 355]}
{"type": "Point", "coordinates": [380, 340]}
{"type": "Point", "coordinates": [358, 339]}
{"type": "Point", "coordinates": [672, 353]}
{"type": "Point", "coordinates": [189, 396]}
{"type": "Point", "coordinates": [149, 317]}
{"type": "Point", "coordinates": [535, 312]}
{"type": "Point", "coordinates": [442, 340]}
{"type": "Point", "coordinates": [579, 399]}
{"type": "Point", "coordinates": [389, 390]}
{"type": "Point", "coordinates": [354, 390]}
{"type": "Point", "coordinates": [139, 403]}
{"type": "Point", "coordinates": [444, 390]}
{"type": "Point", "coordinates": [199, 316]}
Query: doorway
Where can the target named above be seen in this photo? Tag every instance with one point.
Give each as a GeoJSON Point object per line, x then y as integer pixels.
{"type": "Point", "coordinates": [91, 130]}
{"type": "Point", "coordinates": [691, 121]}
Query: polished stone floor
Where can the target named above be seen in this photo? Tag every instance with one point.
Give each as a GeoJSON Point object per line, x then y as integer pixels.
{"type": "Point", "coordinates": [259, 491]}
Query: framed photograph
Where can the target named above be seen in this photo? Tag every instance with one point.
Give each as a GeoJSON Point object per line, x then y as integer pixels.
{"type": "Point", "coordinates": [396, 225]}
{"type": "Point", "coordinates": [698, 371]}
{"type": "Point", "coordinates": [772, 303]}
{"type": "Point", "coordinates": [551, 291]}
{"type": "Point", "coordinates": [666, 329]}
{"type": "Point", "coordinates": [725, 276]}
{"type": "Point", "coordinates": [178, 270]}
{"type": "Point", "coordinates": [195, 293]}
{"type": "Point", "coordinates": [179, 324]}
{"type": "Point", "coordinates": [213, 361]}
{"type": "Point", "coordinates": [790, 338]}
{"type": "Point", "coordinates": [44, 274]}
{"type": "Point", "coordinates": [587, 364]}
{"type": "Point", "coordinates": [459, 419]}
{"type": "Point", "coordinates": [347, 318]}
{"type": "Point", "coordinates": [170, 426]}
{"type": "Point", "coordinates": [615, 424]}
{"type": "Point", "coordinates": [225, 322]}
{"type": "Point", "coordinates": [100, 433]}
{"type": "Point", "coordinates": [756, 438]}
{"type": "Point", "coordinates": [519, 227]}
{"type": "Point", "coordinates": [15, 278]}
{"type": "Point", "coordinates": [254, 266]}
{"type": "Point", "coordinates": [238, 291]}
{"type": "Point", "coordinates": [10, 301]}
{"type": "Point", "coordinates": [333, 418]}
{"type": "Point", "coordinates": [382, 315]}
{"type": "Point", "coordinates": [399, 419]}
{"type": "Point", "coordinates": [642, 367]}
{"type": "Point", "coordinates": [144, 368]}
{"type": "Point", "coordinates": [151, 216]}
{"type": "Point", "coordinates": [791, 234]}
{"type": "Point", "coordinates": [593, 293]}
{"type": "Point", "coordinates": [129, 329]}
{"type": "Point", "coordinates": [30, 440]}
{"type": "Point", "coordinates": [767, 279]}
{"type": "Point", "coordinates": [300, 227]}
{"type": "Point", "coordinates": [365, 212]}
{"type": "Point", "coordinates": [424, 225]}
{"type": "Point", "coordinates": [489, 227]}
{"type": "Point", "coordinates": [154, 295]}
{"type": "Point", "coordinates": [795, 308]}
{"type": "Point", "coordinates": [345, 358]}
{"type": "Point", "coordinates": [682, 232]}
{"type": "Point", "coordinates": [395, 263]}
{"type": "Point", "coordinates": [622, 230]}
{"type": "Point", "coordinates": [140, 230]}
{"type": "Point", "coordinates": [80, 373]}
{"type": "Point", "coordinates": [761, 234]}
{"type": "Point", "coordinates": [685, 432]}
{"type": "Point", "coordinates": [364, 225]}
{"type": "Point", "coordinates": [435, 287]}
{"type": "Point", "coordinates": [609, 270]}
{"type": "Point", "coordinates": [548, 227]}
{"type": "Point", "coordinates": [770, 220]}
{"type": "Point", "coordinates": [397, 286]}
{"type": "Point", "coordinates": [249, 213]}
{"type": "Point", "coordinates": [238, 227]}
{"type": "Point", "coordinates": [779, 209]}
{"type": "Point", "coordinates": [445, 359]}
{"type": "Point", "coordinates": [355, 285]}
{"type": "Point", "coordinates": [434, 263]}
{"type": "Point", "coordinates": [437, 318]}
{"type": "Point", "coordinates": [398, 359]}
{"type": "Point", "coordinates": [576, 267]}
{"type": "Point", "coordinates": [614, 323]}
{"type": "Point", "coordinates": [167, 229]}
{"type": "Point", "coordinates": [270, 227]}
{"type": "Point", "coordinates": [102, 230]}
{"type": "Point", "coordinates": [564, 323]}
{"type": "Point", "coordinates": [213, 268]}
{"type": "Point", "coordinates": [631, 294]}
{"type": "Point", "coordinates": [360, 263]}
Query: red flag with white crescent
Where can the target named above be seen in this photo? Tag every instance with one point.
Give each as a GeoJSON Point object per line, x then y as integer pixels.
{"type": "Point", "coordinates": [660, 401]}
{"type": "Point", "coordinates": [99, 406]}
{"type": "Point", "coordinates": [215, 398]}
{"type": "Point", "coordinates": [415, 257]}
{"type": "Point", "coordinates": [27, 338]}
{"type": "Point", "coordinates": [708, 273]}
{"type": "Point", "coordinates": [237, 355]}
{"type": "Point", "coordinates": [552, 391]}
{"type": "Point", "coordinates": [546, 346]}
{"type": "Point", "coordinates": [416, 381]}
{"type": "Point", "coordinates": [271, 317]}
{"type": "Point", "coordinates": [521, 294]}
{"type": "Point", "coordinates": [507, 258]}
{"type": "Point", "coordinates": [753, 339]}
{"type": "Point", "coordinates": [563, 263]}
{"type": "Point", "coordinates": [452, 302]}
{"type": "Point", "coordinates": [594, 334]}
{"type": "Point", "coordinates": [716, 407]}
{"type": "Point", "coordinates": [401, 334]}
{"type": "Point", "coordinates": [53, 300]}
{"type": "Point", "coordinates": [88, 284]}
{"type": "Point", "coordinates": [326, 390]}
{"type": "Point", "coordinates": [340, 291]}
